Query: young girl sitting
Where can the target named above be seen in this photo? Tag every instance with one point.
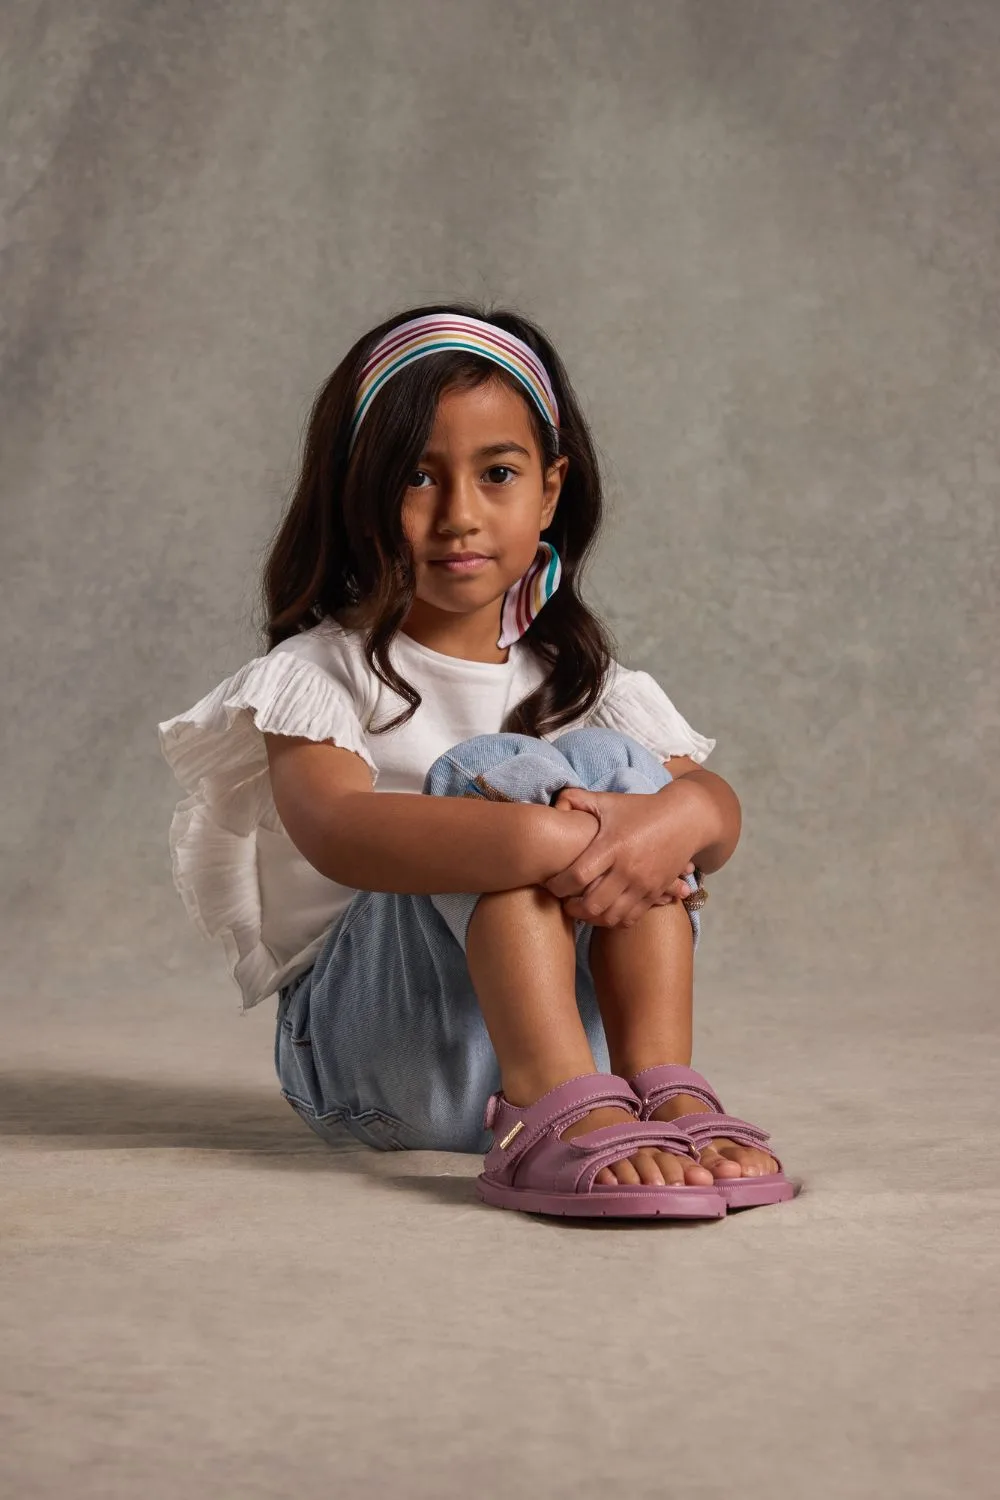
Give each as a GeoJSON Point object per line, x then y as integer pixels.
{"type": "Point", "coordinates": [528, 953]}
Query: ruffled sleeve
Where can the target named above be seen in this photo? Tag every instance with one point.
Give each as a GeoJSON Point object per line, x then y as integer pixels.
{"type": "Point", "coordinates": [217, 752]}
{"type": "Point", "coordinates": [219, 742]}
{"type": "Point", "coordinates": [634, 704]}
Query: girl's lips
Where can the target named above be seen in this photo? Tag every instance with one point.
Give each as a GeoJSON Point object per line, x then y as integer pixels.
{"type": "Point", "coordinates": [462, 564]}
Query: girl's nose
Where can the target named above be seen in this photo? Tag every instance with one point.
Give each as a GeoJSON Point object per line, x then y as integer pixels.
{"type": "Point", "coordinates": [459, 504]}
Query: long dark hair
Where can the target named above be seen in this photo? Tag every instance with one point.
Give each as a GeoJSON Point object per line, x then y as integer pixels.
{"type": "Point", "coordinates": [341, 546]}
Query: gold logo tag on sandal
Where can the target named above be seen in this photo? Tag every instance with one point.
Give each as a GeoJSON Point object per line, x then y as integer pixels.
{"type": "Point", "coordinates": [510, 1135]}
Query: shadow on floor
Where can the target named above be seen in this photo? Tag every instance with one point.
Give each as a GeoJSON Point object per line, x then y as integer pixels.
{"type": "Point", "coordinates": [88, 1112]}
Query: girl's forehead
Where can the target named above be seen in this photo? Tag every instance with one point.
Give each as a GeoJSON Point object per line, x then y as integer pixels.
{"type": "Point", "coordinates": [488, 413]}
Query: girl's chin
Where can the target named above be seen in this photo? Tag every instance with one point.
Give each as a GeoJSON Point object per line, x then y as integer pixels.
{"type": "Point", "coordinates": [458, 601]}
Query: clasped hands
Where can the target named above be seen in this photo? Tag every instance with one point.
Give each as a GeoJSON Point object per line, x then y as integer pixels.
{"type": "Point", "coordinates": [638, 857]}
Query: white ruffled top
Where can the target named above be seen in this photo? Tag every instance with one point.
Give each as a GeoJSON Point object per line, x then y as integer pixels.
{"type": "Point", "coordinates": [238, 873]}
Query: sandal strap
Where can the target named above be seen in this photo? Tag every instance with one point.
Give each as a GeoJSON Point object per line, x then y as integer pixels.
{"type": "Point", "coordinates": [656, 1085]}
{"type": "Point", "coordinates": [703, 1128]}
{"type": "Point", "coordinates": [612, 1143]}
{"type": "Point", "coordinates": [517, 1128]}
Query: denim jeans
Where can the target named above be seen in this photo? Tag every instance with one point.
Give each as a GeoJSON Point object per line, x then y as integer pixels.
{"type": "Point", "coordinates": [382, 1036]}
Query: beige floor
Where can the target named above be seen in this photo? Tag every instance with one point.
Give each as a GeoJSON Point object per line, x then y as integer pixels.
{"type": "Point", "coordinates": [200, 1298]}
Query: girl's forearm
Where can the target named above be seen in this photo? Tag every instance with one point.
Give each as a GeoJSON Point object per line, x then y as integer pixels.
{"type": "Point", "coordinates": [418, 845]}
{"type": "Point", "coordinates": [715, 807]}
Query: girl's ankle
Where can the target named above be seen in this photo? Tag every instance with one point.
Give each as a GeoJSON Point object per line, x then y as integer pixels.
{"type": "Point", "coordinates": [523, 1089]}
{"type": "Point", "coordinates": [666, 1056]}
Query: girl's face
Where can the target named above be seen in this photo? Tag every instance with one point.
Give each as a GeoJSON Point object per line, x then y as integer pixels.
{"type": "Point", "coordinates": [479, 489]}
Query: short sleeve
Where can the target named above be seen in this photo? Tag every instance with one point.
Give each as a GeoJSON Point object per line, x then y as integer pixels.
{"type": "Point", "coordinates": [217, 747]}
{"type": "Point", "coordinates": [636, 705]}
{"type": "Point", "coordinates": [216, 750]}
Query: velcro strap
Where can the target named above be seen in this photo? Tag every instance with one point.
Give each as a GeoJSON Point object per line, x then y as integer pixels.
{"type": "Point", "coordinates": [703, 1128]}
{"type": "Point", "coordinates": [611, 1138]}
{"type": "Point", "coordinates": [540, 1118]}
{"type": "Point", "coordinates": [615, 1143]}
{"type": "Point", "coordinates": [657, 1085]}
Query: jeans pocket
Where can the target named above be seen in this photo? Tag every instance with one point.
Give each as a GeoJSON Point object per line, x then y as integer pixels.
{"type": "Point", "coordinates": [293, 1014]}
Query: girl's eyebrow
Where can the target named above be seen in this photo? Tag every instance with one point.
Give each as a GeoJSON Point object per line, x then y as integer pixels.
{"type": "Point", "coordinates": [489, 451]}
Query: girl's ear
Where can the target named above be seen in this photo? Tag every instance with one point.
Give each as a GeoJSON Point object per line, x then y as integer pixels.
{"type": "Point", "coordinates": [554, 479]}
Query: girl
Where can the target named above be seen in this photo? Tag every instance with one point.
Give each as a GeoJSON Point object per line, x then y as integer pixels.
{"type": "Point", "coordinates": [531, 951]}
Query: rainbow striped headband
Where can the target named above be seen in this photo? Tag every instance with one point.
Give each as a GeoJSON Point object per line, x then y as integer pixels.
{"type": "Point", "coordinates": [436, 331]}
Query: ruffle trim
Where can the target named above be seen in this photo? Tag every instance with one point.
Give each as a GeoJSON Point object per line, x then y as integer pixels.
{"type": "Point", "coordinates": [217, 752]}
{"type": "Point", "coordinates": [636, 705]}
{"type": "Point", "coordinates": [215, 874]}
{"type": "Point", "coordinates": [217, 746]}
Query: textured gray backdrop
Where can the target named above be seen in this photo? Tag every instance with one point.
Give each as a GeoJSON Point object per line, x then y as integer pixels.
{"type": "Point", "coordinates": [765, 238]}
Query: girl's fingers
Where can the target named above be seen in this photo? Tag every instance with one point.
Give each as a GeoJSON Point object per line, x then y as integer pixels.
{"type": "Point", "coordinates": [614, 900]}
{"type": "Point", "coordinates": [679, 891]}
{"type": "Point", "coordinates": [627, 910]}
{"type": "Point", "coordinates": [601, 902]}
{"type": "Point", "coordinates": [621, 909]}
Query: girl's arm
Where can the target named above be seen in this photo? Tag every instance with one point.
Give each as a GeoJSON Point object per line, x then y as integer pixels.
{"type": "Point", "coordinates": [643, 843]}
{"type": "Point", "coordinates": [694, 786]}
{"type": "Point", "coordinates": [399, 841]}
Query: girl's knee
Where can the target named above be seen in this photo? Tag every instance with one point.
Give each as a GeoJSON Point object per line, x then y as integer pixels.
{"type": "Point", "coordinates": [589, 734]}
{"type": "Point", "coordinates": [451, 774]}
{"type": "Point", "coordinates": [610, 746]}
{"type": "Point", "coordinates": [505, 742]}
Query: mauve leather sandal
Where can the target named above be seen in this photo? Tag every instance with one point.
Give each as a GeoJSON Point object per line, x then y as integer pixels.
{"type": "Point", "coordinates": [529, 1167]}
{"type": "Point", "coordinates": [655, 1085]}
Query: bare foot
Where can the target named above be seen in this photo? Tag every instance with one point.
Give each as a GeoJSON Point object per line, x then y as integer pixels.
{"type": "Point", "coordinates": [723, 1158]}
{"type": "Point", "coordinates": [654, 1168]}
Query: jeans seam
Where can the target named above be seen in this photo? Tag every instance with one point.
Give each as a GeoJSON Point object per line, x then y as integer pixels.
{"type": "Point", "coordinates": [397, 1127]}
{"type": "Point", "coordinates": [360, 904]}
{"type": "Point", "coordinates": [486, 790]}
{"type": "Point", "coordinates": [338, 1114]}
{"type": "Point", "coordinates": [303, 1104]}
{"type": "Point", "coordinates": [296, 1041]}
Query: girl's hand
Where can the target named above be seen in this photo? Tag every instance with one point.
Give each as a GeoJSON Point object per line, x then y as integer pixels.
{"type": "Point", "coordinates": [679, 890]}
{"type": "Point", "coordinates": [643, 846]}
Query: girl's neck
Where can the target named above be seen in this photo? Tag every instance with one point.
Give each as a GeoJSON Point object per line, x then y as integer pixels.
{"type": "Point", "coordinates": [467, 637]}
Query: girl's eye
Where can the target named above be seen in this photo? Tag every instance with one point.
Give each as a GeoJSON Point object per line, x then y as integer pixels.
{"type": "Point", "coordinates": [496, 469]}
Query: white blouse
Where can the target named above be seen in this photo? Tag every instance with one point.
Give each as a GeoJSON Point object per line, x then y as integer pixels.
{"type": "Point", "coordinates": [238, 873]}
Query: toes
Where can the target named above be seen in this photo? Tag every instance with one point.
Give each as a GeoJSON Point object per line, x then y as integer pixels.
{"type": "Point", "coordinates": [647, 1168]}
{"type": "Point", "coordinates": [741, 1157]}
{"type": "Point", "coordinates": [671, 1168]}
{"type": "Point", "coordinates": [663, 1169]}
{"type": "Point", "coordinates": [650, 1168]}
{"type": "Point", "coordinates": [697, 1175]}
{"type": "Point", "coordinates": [751, 1162]}
{"type": "Point", "coordinates": [717, 1165]}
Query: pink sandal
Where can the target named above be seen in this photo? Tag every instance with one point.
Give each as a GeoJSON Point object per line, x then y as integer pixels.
{"type": "Point", "coordinates": [529, 1167]}
{"type": "Point", "coordinates": [655, 1085]}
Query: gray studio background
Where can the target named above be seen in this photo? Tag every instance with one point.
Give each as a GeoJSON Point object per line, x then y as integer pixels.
{"type": "Point", "coordinates": [764, 237]}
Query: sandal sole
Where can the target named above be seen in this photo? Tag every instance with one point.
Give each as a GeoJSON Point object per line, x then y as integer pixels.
{"type": "Point", "coordinates": [754, 1192]}
{"type": "Point", "coordinates": [607, 1202]}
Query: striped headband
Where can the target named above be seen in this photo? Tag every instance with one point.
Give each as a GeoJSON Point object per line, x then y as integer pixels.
{"type": "Point", "coordinates": [437, 331]}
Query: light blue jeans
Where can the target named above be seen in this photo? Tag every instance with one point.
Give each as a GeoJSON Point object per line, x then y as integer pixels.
{"type": "Point", "coordinates": [383, 1036]}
